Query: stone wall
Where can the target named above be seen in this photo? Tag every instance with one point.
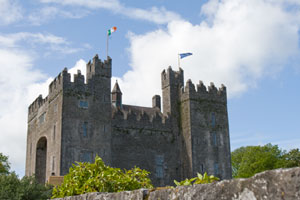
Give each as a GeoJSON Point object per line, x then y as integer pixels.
{"type": "Point", "coordinates": [283, 184]}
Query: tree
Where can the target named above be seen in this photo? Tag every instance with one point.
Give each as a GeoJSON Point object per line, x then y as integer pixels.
{"type": "Point", "coordinates": [291, 159]}
{"type": "Point", "coordinates": [4, 164]}
{"type": "Point", "coordinates": [98, 177]}
{"type": "Point", "coordinates": [13, 188]}
{"type": "Point", "coordinates": [27, 188]}
{"type": "Point", "coordinates": [247, 161]}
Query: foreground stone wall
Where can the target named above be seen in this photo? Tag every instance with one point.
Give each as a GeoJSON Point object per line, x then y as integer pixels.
{"type": "Point", "coordinates": [283, 184]}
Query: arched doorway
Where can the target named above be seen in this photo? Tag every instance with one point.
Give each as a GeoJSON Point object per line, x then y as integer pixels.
{"type": "Point", "coordinates": [41, 159]}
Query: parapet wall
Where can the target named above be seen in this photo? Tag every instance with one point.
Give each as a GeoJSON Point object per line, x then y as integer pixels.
{"type": "Point", "coordinates": [274, 185]}
{"type": "Point", "coordinates": [142, 119]}
{"type": "Point", "coordinates": [200, 92]}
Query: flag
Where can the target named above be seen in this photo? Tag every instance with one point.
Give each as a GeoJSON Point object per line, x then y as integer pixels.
{"type": "Point", "coordinates": [110, 31]}
{"type": "Point", "coordinates": [182, 55]}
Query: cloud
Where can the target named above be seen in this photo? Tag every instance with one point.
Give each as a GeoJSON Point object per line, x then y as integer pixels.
{"type": "Point", "coordinates": [50, 12]}
{"type": "Point", "coordinates": [49, 42]}
{"type": "Point", "coordinates": [237, 44]}
{"type": "Point", "coordinates": [16, 77]}
{"type": "Point", "coordinates": [20, 85]}
{"type": "Point", "coordinates": [154, 14]}
{"type": "Point", "coordinates": [10, 11]}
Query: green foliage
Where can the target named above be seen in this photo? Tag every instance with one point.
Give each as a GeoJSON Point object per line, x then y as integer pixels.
{"type": "Point", "coordinates": [97, 177]}
{"type": "Point", "coordinates": [4, 164]}
{"type": "Point", "coordinates": [197, 180]}
{"type": "Point", "coordinates": [11, 187]}
{"type": "Point", "coordinates": [247, 161]}
{"type": "Point", "coordinates": [291, 159]}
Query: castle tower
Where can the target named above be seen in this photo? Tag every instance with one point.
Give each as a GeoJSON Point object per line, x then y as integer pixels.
{"type": "Point", "coordinates": [73, 123]}
{"type": "Point", "coordinates": [116, 96]}
{"type": "Point", "coordinates": [171, 82]}
{"type": "Point", "coordinates": [205, 131]}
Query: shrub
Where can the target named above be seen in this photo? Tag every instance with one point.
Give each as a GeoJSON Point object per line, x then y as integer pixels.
{"type": "Point", "coordinates": [98, 177]}
{"type": "Point", "coordinates": [197, 180]}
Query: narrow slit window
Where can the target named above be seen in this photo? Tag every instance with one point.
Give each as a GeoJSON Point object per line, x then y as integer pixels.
{"type": "Point", "coordinates": [84, 129]}
{"type": "Point", "coordinates": [53, 163]}
{"type": "Point", "coordinates": [216, 169]}
{"type": "Point", "coordinates": [54, 132]}
{"type": "Point", "coordinates": [215, 142]}
{"type": "Point", "coordinates": [213, 119]}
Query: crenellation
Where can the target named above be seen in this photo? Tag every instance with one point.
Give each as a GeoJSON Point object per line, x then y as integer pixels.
{"type": "Point", "coordinates": [212, 89]}
{"type": "Point", "coordinates": [201, 88]}
{"type": "Point", "coordinates": [190, 87]}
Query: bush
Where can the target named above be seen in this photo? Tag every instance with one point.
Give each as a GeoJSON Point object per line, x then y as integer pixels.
{"type": "Point", "coordinates": [97, 177]}
{"type": "Point", "coordinates": [12, 188]}
{"type": "Point", "coordinates": [197, 180]}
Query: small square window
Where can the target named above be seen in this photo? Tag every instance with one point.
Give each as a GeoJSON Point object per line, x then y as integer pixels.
{"type": "Point", "coordinates": [83, 104]}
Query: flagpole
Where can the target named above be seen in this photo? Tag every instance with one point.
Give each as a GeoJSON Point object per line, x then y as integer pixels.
{"type": "Point", "coordinates": [107, 46]}
{"type": "Point", "coordinates": [178, 62]}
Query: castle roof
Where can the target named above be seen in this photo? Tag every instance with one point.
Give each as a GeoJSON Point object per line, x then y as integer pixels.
{"type": "Point", "coordinates": [116, 88]}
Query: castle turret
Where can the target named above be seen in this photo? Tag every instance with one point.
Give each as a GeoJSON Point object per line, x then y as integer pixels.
{"type": "Point", "coordinates": [171, 82]}
{"type": "Point", "coordinates": [116, 96]}
{"type": "Point", "coordinates": [156, 102]}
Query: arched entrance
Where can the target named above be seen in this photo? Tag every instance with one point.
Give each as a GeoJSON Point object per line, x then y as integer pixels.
{"type": "Point", "coordinates": [41, 159]}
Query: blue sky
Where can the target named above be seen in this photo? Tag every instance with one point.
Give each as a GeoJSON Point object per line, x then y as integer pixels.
{"type": "Point", "coordinates": [251, 46]}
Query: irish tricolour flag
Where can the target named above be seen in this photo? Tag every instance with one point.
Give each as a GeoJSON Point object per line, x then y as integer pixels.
{"type": "Point", "coordinates": [110, 31]}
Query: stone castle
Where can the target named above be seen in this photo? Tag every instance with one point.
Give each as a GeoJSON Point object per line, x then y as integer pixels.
{"type": "Point", "coordinates": [79, 120]}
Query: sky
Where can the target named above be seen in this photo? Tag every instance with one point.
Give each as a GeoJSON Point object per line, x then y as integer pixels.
{"type": "Point", "coordinates": [250, 46]}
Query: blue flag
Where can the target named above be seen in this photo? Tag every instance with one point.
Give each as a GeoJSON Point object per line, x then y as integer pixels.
{"type": "Point", "coordinates": [182, 55]}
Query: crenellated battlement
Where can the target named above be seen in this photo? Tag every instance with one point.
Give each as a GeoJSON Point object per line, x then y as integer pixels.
{"type": "Point", "coordinates": [200, 92]}
{"type": "Point", "coordinates": [171, 78]}
{"type": "Point", "coordinates": [98, 68]}
{"type": "Point", "coordinates": [141, 118]}
{"type": "Point", "coordinates": [62, 82]}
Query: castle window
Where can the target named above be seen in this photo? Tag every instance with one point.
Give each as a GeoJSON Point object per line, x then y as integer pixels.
{"type": "Point", "coordinates": [84, 129]}
{"type": "Point", "coordinates": [42, 118]}
{"type": "Point", "coordinates": [214, 138]}
{"type": "Point", "coordinates": [54, 132]}
{"type": "Point", "coordinates": [53, 163]}
{"type": "Point", "coordinates": [55, 107]}
{"type": "Point", "coordinates": [216, 169]}
{"type": "Point", "coordinates": [213, 119]}
{"type": "Point", "coordinates": [104, 128]}
{"type": "Point", "coordinates": [83, 104]}
{"type": "Point", "coordinates": [201, 168]}
{"type": "Point", "coordinates": [30, 148]}
{"type": "Point", "coordinates": [159, 162]}
{"type": "Point", "coordinates": [86, 157]}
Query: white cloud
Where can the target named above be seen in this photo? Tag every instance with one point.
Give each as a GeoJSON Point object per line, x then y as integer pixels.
{"type": "Point", "coordinates": [154, 14]}
{"type": "Point", "coordinates": [50, 12]}
{"type": "Point", "coordinates": [50, 42]}
{"type": "Point", "coordinates": [243, 41]}
{"type": "Point", "coordinates": [10, 11]}
{"type": "Point", "coordinates": [16, 77]}
{"type": "Point", "coordinates": [20, 84]}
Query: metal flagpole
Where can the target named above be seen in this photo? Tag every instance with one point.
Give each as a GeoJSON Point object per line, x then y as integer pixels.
{"type": "Point", "coordinates": [107, 46]}
{"type": "Point", "coordinates": [178, 61]}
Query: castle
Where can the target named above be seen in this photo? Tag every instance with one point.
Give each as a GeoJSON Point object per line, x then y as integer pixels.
{"type": "Point", "coordinates": [79, 120]}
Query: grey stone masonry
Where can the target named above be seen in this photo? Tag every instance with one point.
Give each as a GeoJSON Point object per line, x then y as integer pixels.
{"type": "Point", "coordinates": [84, 118]}
{"type": "Point", "coordinates": [280, 184]}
